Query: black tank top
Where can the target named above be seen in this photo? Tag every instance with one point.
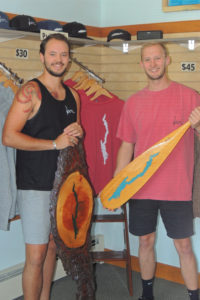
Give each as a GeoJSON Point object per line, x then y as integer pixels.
{"type": "Point", "coordinates": [35, 170]}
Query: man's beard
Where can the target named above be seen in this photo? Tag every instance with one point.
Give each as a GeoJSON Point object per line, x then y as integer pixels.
{"type": "Point", "coordinates": [54, 73]}
{"type": "Point", "coordinates": [156, 78]}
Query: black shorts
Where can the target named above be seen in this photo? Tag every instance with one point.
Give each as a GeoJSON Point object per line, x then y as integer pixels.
{"type": "Point", "coordinates": [177, 217]}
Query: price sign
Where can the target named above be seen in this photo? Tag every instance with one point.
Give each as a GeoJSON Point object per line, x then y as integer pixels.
{"type": "Point", "coordinates": [22, 53]}
{"type": "Point", "coordinates": [188, 66]}
{"type": "Point", "coordinates": [44, 33]}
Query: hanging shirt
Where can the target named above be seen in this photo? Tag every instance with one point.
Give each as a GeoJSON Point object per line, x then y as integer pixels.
{"type": "Point", "coordinates": [100, 119]}
{"type": "Point", "coordinates": [8, 190]}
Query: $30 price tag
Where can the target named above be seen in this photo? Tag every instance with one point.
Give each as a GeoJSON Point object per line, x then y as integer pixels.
{"type": "Point", "coordinates": [22, 53]}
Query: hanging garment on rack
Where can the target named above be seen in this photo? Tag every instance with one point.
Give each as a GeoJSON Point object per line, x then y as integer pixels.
{"type": "Point", "coordinates": [196, 179]}
{"type": "Point", "coordinates": [9, 83]}
{"type": "Point", "coordinates": [8, 189]}
{"type": "Point", "coordinates": [90, 83]}
{"type": "Point", "coordinates": [100, 173]}
{"type": "Point", "coordinates": [99, 119]}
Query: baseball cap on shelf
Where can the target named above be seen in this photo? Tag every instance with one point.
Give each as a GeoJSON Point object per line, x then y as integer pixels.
{"type": "Point", "coordinates": [24, 23]}
{"type": "Point", "coordinates": [50, 25]}
{"type": "Point", "coordinates": [75, 29]}
{"type": "Point", "coordinates": [4, 21]}
{"type": "Point", "coordinates": [119, 34]}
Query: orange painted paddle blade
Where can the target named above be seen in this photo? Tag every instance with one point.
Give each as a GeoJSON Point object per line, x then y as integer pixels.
{"type": "Point", "coordinates": [131, 178]}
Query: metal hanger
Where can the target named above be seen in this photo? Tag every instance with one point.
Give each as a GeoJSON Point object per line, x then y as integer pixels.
{"type": "Point", "coordinates": [91, 73]}
{"type": "Point", "coordinates": [10, 78]}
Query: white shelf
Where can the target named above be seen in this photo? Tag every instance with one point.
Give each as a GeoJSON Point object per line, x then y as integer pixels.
{"type": "Point", "coordinates": [6, 34]}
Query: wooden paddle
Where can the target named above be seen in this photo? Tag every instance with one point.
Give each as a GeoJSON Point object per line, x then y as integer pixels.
{"type": "Point", "coordinates": [131, 178]}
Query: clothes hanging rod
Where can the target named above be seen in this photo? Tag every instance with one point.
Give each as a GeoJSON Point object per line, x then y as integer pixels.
{"type": "Point", "coordinates": [91, 73]}
{"type": "Point", "coordinates": [11, 75]}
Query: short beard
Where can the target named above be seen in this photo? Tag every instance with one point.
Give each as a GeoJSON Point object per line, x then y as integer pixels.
{"type": "Point", "coordinates": [53, 73]}
{"type": "Point", "coordinates": [157, 78]}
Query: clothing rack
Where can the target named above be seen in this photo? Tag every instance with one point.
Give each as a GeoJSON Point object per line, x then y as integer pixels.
{"type": "Point", "coordinates": [91, 73]}
{"type": "Point", "coordinates": [11, 75]}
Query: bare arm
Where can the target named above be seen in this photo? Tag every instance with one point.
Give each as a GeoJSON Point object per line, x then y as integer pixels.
{"type": "Point", "coordinates": [25, 105]}
{"type": "Point", "coordinates": [124, 156]}
{"type": "Point", "coordinates": [195, 120]}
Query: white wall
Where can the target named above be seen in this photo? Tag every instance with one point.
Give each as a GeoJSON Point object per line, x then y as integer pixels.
{"type": "Point", "coordinates": [100, 13]}
{"type": "Point", "coordinates": [129, 12]}
{"type": "Point", "coordinates": [83, 11]}
{"type": "Point", "coordinates": [11, 246]}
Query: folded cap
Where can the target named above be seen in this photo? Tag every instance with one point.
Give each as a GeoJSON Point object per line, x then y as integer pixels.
{"type": "Point", "coordinates": [50, 25]}
{"type": "Point", "coordinates": [119, 34]}
{"type": "Point", "coordinates": [24, 23]}
{"type": "Point", "coordinates": [4, 21]}
{"type": "Point", "coordinates": [75, 29]}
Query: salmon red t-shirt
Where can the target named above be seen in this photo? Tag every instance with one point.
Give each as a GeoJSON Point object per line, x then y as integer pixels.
{"type": "Point", "coordinates": [147, 117]}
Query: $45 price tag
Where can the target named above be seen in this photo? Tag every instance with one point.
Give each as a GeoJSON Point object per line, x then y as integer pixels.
{"type": "Point", "coordinates": [188, 66]}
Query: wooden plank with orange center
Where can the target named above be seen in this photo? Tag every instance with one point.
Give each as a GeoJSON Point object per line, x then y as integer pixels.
{"type": "Point", "coordinates": [74, 210]}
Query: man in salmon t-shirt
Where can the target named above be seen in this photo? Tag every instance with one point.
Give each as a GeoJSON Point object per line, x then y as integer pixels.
{"type": "Point", "coordinates": [148, 116]}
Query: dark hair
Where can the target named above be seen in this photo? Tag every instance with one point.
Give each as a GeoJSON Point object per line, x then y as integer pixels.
{"type": "Point", "coordinates": [56, 36]}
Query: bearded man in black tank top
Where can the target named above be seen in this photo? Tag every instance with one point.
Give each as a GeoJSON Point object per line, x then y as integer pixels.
{"type": "Point", "coordinates": [43, 119]}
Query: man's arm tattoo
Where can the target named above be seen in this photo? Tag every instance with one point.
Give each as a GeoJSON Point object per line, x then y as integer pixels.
{"type": "Point", "coordinates": [26, 94]}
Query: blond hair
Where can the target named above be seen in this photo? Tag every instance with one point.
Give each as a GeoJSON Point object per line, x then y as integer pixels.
{"type": "Point", "coordinates": [162, 45]}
